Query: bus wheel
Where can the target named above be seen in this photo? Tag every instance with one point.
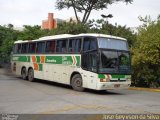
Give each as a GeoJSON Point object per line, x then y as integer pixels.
{"type": "Point", "coordinates": [31, 75]}
{"type": "Point", "coordinates": [76, 83]}
{"type": "Point", "coordinates": [23, 73]}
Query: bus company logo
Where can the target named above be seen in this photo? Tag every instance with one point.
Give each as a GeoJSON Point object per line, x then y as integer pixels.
{"type": "Point", "coordinates": [51, 61]}
{"type": "Point", "coordinates": [64, 58]}
{"type": "Point", "coordinates": [65, 61]}
{"type": "Point", "coordinates": [15, 58]}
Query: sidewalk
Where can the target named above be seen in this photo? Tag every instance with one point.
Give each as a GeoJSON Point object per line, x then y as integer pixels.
{"type": "Point", "coordinates": [145, 89]}
{"type": "Point", "coordinates": [5, 71]}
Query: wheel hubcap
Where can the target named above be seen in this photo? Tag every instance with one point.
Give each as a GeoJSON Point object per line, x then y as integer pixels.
{"type": "Point", "coordinates": [78, 82]}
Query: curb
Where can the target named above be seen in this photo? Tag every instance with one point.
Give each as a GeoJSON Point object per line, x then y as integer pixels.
{"type": "Point", "coordinates": [144, 89]}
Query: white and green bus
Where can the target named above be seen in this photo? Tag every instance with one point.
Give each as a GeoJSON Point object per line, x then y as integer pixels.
{"type": "Point", "coordinates": [94, 61]}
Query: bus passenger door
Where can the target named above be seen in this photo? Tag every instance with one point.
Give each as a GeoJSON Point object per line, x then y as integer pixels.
{"type": "Point", "coordinates": [89, 66]}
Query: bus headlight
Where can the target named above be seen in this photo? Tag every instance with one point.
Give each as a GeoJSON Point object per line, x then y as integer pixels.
{"type": "Point", "coordinates": [104, 80]}
{"type": "Point", "coordinates": [128, 79]}
{"type": "Point", "coordinates": [107, 79]}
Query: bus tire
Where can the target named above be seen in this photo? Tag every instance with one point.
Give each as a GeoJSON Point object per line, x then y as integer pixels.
{"type": "Point", "coordinates": [24, 73]}
{"type": "Point", "coordinates": [77, 83]}
{"type": "Point", "coordinates": [30, 75]}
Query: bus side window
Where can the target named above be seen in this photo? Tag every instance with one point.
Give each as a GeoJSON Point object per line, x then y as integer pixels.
{"type": "Point", "coordinates": [50, 46]}
{"type": "Point", "coordinates": [32, 48]}
{"type": "Point", "coordinates": [74, 45]}
{"type": "Point", "coordinates": [24, 48]}
{"type": "Point", "coordinates": [89, 44]}
{"type": "Point", "coordinates": [61, 46]}
{"type": "Point", "coordinates": [40, 47]}
{"type": "Point", "coordinates": [17, 49]}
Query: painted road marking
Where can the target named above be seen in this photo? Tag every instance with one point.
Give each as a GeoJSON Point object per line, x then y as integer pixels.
{"type": "Point", "coordinates": [74, 107]}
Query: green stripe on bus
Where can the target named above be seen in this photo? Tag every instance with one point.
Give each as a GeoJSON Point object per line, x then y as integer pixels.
{"type": "Point", "coordinates": [101, 76]}
{"type": "Point", "coordinates": [68, 60]}
{"type": "Point", "coordinates": [40, 67]}
{"type": "Point", "coordinates": [29, 58]}
{"type": "Point", "coordinates": [21, 58]}
{"type": "Point", "coordinates": [38, 59]}
{"type": "Point", "coordinates": [54, 59]}
{"type": "Point", "coordinates": [118, 76]}
{"type": "Point", "coordinates": [78, 60]}
{"type": "Point", "coordinates": [114, 76]}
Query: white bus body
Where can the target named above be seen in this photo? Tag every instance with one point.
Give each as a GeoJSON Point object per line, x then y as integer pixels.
{"type": "Point", "coordinates": [81, 69]}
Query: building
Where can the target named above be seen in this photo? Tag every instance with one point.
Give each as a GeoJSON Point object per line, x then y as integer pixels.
{"type": "Point", "coordinates": [59, 21]}
{"type": "Point", "coordinates": [50, 23]}
{"type": "Point", "coordinates": [72, 20]}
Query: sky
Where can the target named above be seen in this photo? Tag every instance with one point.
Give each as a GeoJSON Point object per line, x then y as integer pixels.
{"type": "Point", "coordinates": [32, 12]}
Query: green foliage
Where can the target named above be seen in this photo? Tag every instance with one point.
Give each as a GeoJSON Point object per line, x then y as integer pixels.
{"type": "Point", "coordinates": [102, 26]}
{"type": "Point", "coordinates": [32, 32]}
{"type": "Point", "coordinates": [70, 28]}
{"type": "Point", "coordinates": [98, 26]}
{"type": "Point", "coordinates": [86, 6]}
{"type": "Point", "coordinates": [7, 38]}
{"type": "Point", "coordinates": [146, 52]}
{"type": "Point", "coordinates": [8, 35]}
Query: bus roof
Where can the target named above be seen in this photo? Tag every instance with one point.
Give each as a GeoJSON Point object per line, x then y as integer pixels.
{"type": "Point", "coordinates": [62, 36]}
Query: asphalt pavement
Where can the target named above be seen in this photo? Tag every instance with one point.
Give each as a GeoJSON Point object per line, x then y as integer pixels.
{"type": "Point", "coordinates": [18, 96]}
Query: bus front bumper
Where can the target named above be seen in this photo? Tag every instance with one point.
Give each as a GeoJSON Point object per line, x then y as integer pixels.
{"type": "Point", "coordinates": [113, 85]}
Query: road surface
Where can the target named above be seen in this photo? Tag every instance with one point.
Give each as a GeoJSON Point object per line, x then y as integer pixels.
{"type": "Point", "coordinates": [18, 96]}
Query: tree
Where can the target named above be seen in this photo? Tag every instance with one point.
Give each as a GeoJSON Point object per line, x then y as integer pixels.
{"type": "Point", "coordinates": [32, 32]}
{"type": "Point", "coordinates": [8, 35]}
{"type": "Point", "coordinates": [7, 38]}
{"type": "Point", "coordinates": [102, 26]}
{"type": "Point", "coordinates": [86, 6]}
{"type": "Point", "coordinates": [70, 28]}
{"type": "Point", "coordinates": [146, 53]}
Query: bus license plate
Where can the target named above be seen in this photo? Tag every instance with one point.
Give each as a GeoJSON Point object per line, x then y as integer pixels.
{"type": "Point", "coordinates": [117, 85]}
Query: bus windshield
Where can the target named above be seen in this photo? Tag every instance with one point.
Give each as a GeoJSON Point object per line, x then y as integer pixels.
{"type": "Point", "coordinates": [111, 43]}
{"type": "Point", "coordinates": [114, 62]}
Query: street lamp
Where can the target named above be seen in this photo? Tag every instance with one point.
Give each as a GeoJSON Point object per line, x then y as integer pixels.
{"type": "Point", "coordinates": [107, 16]}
